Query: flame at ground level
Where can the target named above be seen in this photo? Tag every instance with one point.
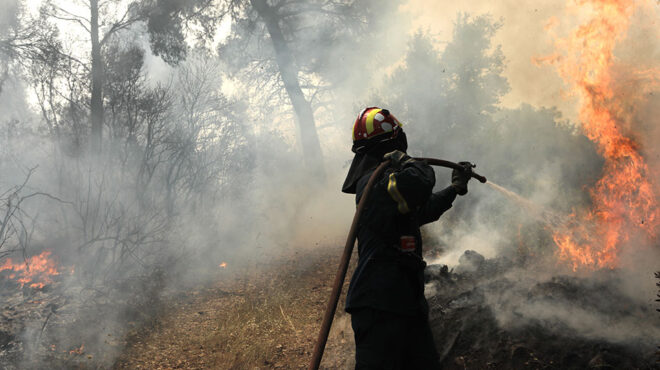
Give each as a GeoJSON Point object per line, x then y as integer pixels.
{"type": "Point", "coordinates": [36, 271]}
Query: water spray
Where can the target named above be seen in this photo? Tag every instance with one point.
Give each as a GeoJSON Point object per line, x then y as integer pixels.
{"type": "Point", "coordinates": [536, 211]}
{"type": "Point", "coordinates": [348, 250]}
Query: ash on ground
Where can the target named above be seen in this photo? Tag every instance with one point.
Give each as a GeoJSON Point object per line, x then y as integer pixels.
{"type": "Point", "coordinates": [61, 327]}
{"type": "Point", "coordinates": [491, 313]}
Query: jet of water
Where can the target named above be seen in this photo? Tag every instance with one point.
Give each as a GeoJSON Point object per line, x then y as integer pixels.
{"type": "Point", "coordinates": [534, 210]}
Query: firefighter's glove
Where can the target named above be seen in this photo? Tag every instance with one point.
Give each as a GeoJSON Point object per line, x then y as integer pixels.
{"type": "Point", "coordinates": [460, 178]}
{"type": "Point", "coordinates": [397, 159]}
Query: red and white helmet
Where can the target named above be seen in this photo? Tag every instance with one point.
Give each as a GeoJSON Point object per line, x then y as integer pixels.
{"type": "Point", "coordinates": [374, 125]}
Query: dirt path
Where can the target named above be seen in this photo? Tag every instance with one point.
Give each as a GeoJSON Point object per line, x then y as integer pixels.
{"type": "Point", "coordinates": [264, 320]}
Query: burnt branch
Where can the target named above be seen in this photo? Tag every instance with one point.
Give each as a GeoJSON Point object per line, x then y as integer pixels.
{"type": "Point", "coordinates": [17, 225]}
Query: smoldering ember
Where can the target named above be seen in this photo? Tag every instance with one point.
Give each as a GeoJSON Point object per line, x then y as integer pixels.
{"type": "Point", "coordinates": [234, 184]}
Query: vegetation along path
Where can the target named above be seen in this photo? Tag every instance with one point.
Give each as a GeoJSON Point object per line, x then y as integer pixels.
{"type": "Point", "coordinates": [266, 318]}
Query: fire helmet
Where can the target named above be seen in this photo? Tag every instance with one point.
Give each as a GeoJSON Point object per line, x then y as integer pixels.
{"type": "Point", "coordinates": [374, 126]}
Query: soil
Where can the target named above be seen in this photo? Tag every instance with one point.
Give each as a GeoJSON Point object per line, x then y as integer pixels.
{"type": "Point", "coordinates": [269, 317]}
{"type": "Point", "coordinates": [262, 318]}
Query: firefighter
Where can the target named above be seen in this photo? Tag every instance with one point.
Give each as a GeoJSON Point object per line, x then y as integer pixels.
{"type": "Point", "coordinates": [389, 312]}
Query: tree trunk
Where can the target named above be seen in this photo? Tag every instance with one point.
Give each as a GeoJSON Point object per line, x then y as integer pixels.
{"type": "Point", "coordinates": [289, 73]}
{"type": "Point", "coordinates": [96, 103]}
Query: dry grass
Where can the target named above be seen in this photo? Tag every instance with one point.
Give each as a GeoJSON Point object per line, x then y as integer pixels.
{"type": "Point", "coordinates": [266, 319]}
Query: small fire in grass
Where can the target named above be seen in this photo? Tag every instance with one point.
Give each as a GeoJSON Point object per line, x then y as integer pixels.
{"type": "Point", "coordinates": [223, 264]}
{"type": "Point", "coordinates": [35, 271]}
{"type": "Point", "coordinates": [78, 351]}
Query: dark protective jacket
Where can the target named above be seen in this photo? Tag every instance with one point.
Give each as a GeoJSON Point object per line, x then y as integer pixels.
{"type": "Point", "coordinates": [387, 278]}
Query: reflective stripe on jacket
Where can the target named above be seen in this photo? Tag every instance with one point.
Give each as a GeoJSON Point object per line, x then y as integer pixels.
{"type": "Point", "coordinates": [400, 202]}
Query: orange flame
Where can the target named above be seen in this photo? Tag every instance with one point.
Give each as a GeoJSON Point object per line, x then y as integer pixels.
{"type": "Point", "coordinates": [624, 199]}
{"type": "Point", "coordinates": [78, 351]}
{"type": "Point", "coordinates": [37, 271]}
{"type": "Point", "coordinates": [223, 264]}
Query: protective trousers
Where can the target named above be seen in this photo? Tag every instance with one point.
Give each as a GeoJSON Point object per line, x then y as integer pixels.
{"type": "Point", "coordinates": [385, 340]}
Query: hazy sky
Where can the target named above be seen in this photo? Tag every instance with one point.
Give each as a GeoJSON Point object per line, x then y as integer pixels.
{"type": "Point", "coordinates": [522, 37]}
{"type": "Point", "coordinates": [525, 34]}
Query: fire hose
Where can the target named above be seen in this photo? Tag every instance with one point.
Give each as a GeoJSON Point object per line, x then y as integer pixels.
{"type": "Point", "coordinates": [348, 250]}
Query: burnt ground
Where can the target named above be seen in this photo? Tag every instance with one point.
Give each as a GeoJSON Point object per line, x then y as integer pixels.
{"type": "Point", "coordinates": [270, 321]}
{"type": "Point", "coordinates": [487, 316]}
{"type": "Point", "coordinates": [263, 315]}
{"type": "Point", "coordinates": [267, 317]}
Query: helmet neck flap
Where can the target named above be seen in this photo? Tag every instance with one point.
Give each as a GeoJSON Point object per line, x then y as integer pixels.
{"type": "Point", "coordinates": [368, 157]}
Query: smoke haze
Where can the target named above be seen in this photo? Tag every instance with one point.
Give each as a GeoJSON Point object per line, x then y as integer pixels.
{"type": "Point", "coordinates": [202, 160]}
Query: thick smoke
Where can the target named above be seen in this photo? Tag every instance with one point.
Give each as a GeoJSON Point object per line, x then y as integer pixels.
{"type": "Point", "coordinates": [577, 311]}
{"type": "Point", "coordinates": [537, 152]}
{"type": "Point", "coordinates": [454, 96]}
{"type": "Point", "coordinates": [190, 177]}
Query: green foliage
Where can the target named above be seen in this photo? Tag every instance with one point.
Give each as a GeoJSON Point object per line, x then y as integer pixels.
{"type": "Point", "coordinates": [449, 102]}
{"type": "Point", "coordinates": [450, 94]}
{"type": "Point", "coordinates": [169, 23]}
